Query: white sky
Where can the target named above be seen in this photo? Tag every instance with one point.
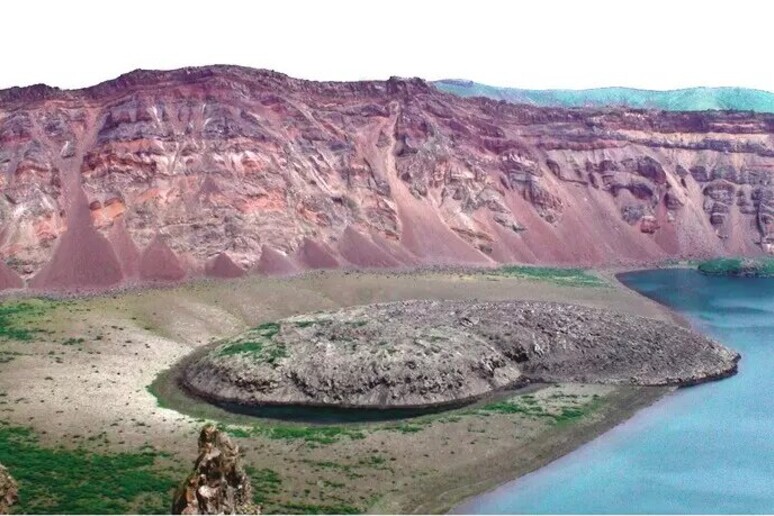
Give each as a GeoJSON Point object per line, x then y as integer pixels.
{"type": "Point", "coordinates": [539, 44]}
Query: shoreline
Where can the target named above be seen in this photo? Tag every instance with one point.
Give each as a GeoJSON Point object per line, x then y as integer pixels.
{"type": "Point", "coordinates": [588, 433]}
{"type": "Point", "coordinates": [454, 498]}
{"type": "Point", "coordinates": [198, 280]}
{"type": "Point", "coordinates": [492, 474]}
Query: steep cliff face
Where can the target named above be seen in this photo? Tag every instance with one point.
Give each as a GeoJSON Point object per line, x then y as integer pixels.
{"type": "Point", "coordinates": [219, 170]}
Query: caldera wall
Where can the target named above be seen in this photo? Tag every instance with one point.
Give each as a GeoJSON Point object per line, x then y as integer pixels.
{"type": "Point", "coordinates": [192, 171]}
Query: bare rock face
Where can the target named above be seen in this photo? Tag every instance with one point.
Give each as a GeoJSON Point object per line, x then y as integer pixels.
{"type": "Point", "coordinates": [232, 161]}
{"type": "Point", "coordinates": [9, 491]}
{"type": "Point", "coordinates": [218, 483]}
{"type": "Point", "coordinates": [425, 353]}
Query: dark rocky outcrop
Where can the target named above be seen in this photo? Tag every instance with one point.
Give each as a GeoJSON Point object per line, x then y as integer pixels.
{"type": "Point", "coordinates": [9, 491]}
{"type": "Point", "coordinates": [424, 353]}
{"type": "Point", "coordinates": [218, 483]}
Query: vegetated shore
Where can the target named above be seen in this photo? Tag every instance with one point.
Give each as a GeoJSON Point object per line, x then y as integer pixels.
{"type": "Point", "coordinates": [446, 488]}
{"type": "Point", "coordinates": [80, 379]}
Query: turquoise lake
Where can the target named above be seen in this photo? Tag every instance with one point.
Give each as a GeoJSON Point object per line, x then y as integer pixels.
{"type": "Point", "coordinates": [704, 449]}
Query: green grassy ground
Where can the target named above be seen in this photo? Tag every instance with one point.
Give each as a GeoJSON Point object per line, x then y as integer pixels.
{"type": "Point", "coordinates": [71, 454]}
{"type": "Point", "coordinates": [78, 481]}
{"type": "Point", "coordinates": [19, 320]}
{"type": "Point", "coordinates": [561, 276]}
{"type": "Point", "coordinates": [758, 267]}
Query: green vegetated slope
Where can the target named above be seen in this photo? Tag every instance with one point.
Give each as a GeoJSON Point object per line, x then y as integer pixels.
{"type": "Point", "coordinates": [689, 99]}
{"type": "Point", "coordinates": [752, 267]}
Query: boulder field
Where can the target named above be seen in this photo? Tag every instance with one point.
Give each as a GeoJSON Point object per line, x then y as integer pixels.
{"type": "Point", "coordinates": [222, 170]}
{"type": "Point", "coordinates": [433, 353]}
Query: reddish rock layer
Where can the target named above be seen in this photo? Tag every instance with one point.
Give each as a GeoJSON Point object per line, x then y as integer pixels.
{"type": "Point", "coordinates": [227, 159]}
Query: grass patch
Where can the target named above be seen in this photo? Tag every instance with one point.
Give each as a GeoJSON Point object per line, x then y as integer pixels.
{"type": "Point", "coordinates": [17, 318]}
{"type": "Point", "coordinates": [62, 481]}
{"type": "Point", "coordinates": [266, 483]}
{"type": "Point", "coordinates": [531, 407]}
{"type": "Point", "coordinates": [268, 330]}
{"type": "Point", "coordinates": [276, 353]}
{"type": "Point", "coordinates": [258, 344]}
{"type": "Point", "coordinates": [306, 508]}
{"type": "Point", "coordinates": [310, 434]}
{"type": "Point", "coordinates": [516, 407]}
{"type": "Point", "coordinates": [247, 346]}
{"type": "Point", "coordinates": [265, 351]}
{"type": "Point", "coordinates": [557, 275]}
{"type": "Point", "coordinates": [745, 267]}
{"type": "Point", "coordinates": [408, 428]}
{"type": "Point", "coordinates": [569, 415]}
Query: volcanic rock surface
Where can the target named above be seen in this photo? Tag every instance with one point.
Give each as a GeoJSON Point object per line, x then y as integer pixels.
{"type": "Point", "coordinates": [424, 353]}
{"type": "Point", "coordinates": [9, 491]}
{"type": "Point", "coordinates": [218, 483]}
{"type": "Point", "coordinates": [155, 175]}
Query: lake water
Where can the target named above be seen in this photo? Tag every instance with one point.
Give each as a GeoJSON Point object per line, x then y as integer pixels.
{"type": "Point", "coordinates": [705, 449]}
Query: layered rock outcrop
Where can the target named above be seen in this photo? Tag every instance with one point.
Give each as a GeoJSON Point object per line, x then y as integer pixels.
{"type": "Point", "coordinates": [218, 483]}
{"type": "Point", "coordinates": [162, 175]}
{"type": "Point", "coordinates": [425, 353]}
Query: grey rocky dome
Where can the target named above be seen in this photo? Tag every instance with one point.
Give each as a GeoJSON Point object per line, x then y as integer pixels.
{"type": "Point", "coordinates": [424, 353]}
